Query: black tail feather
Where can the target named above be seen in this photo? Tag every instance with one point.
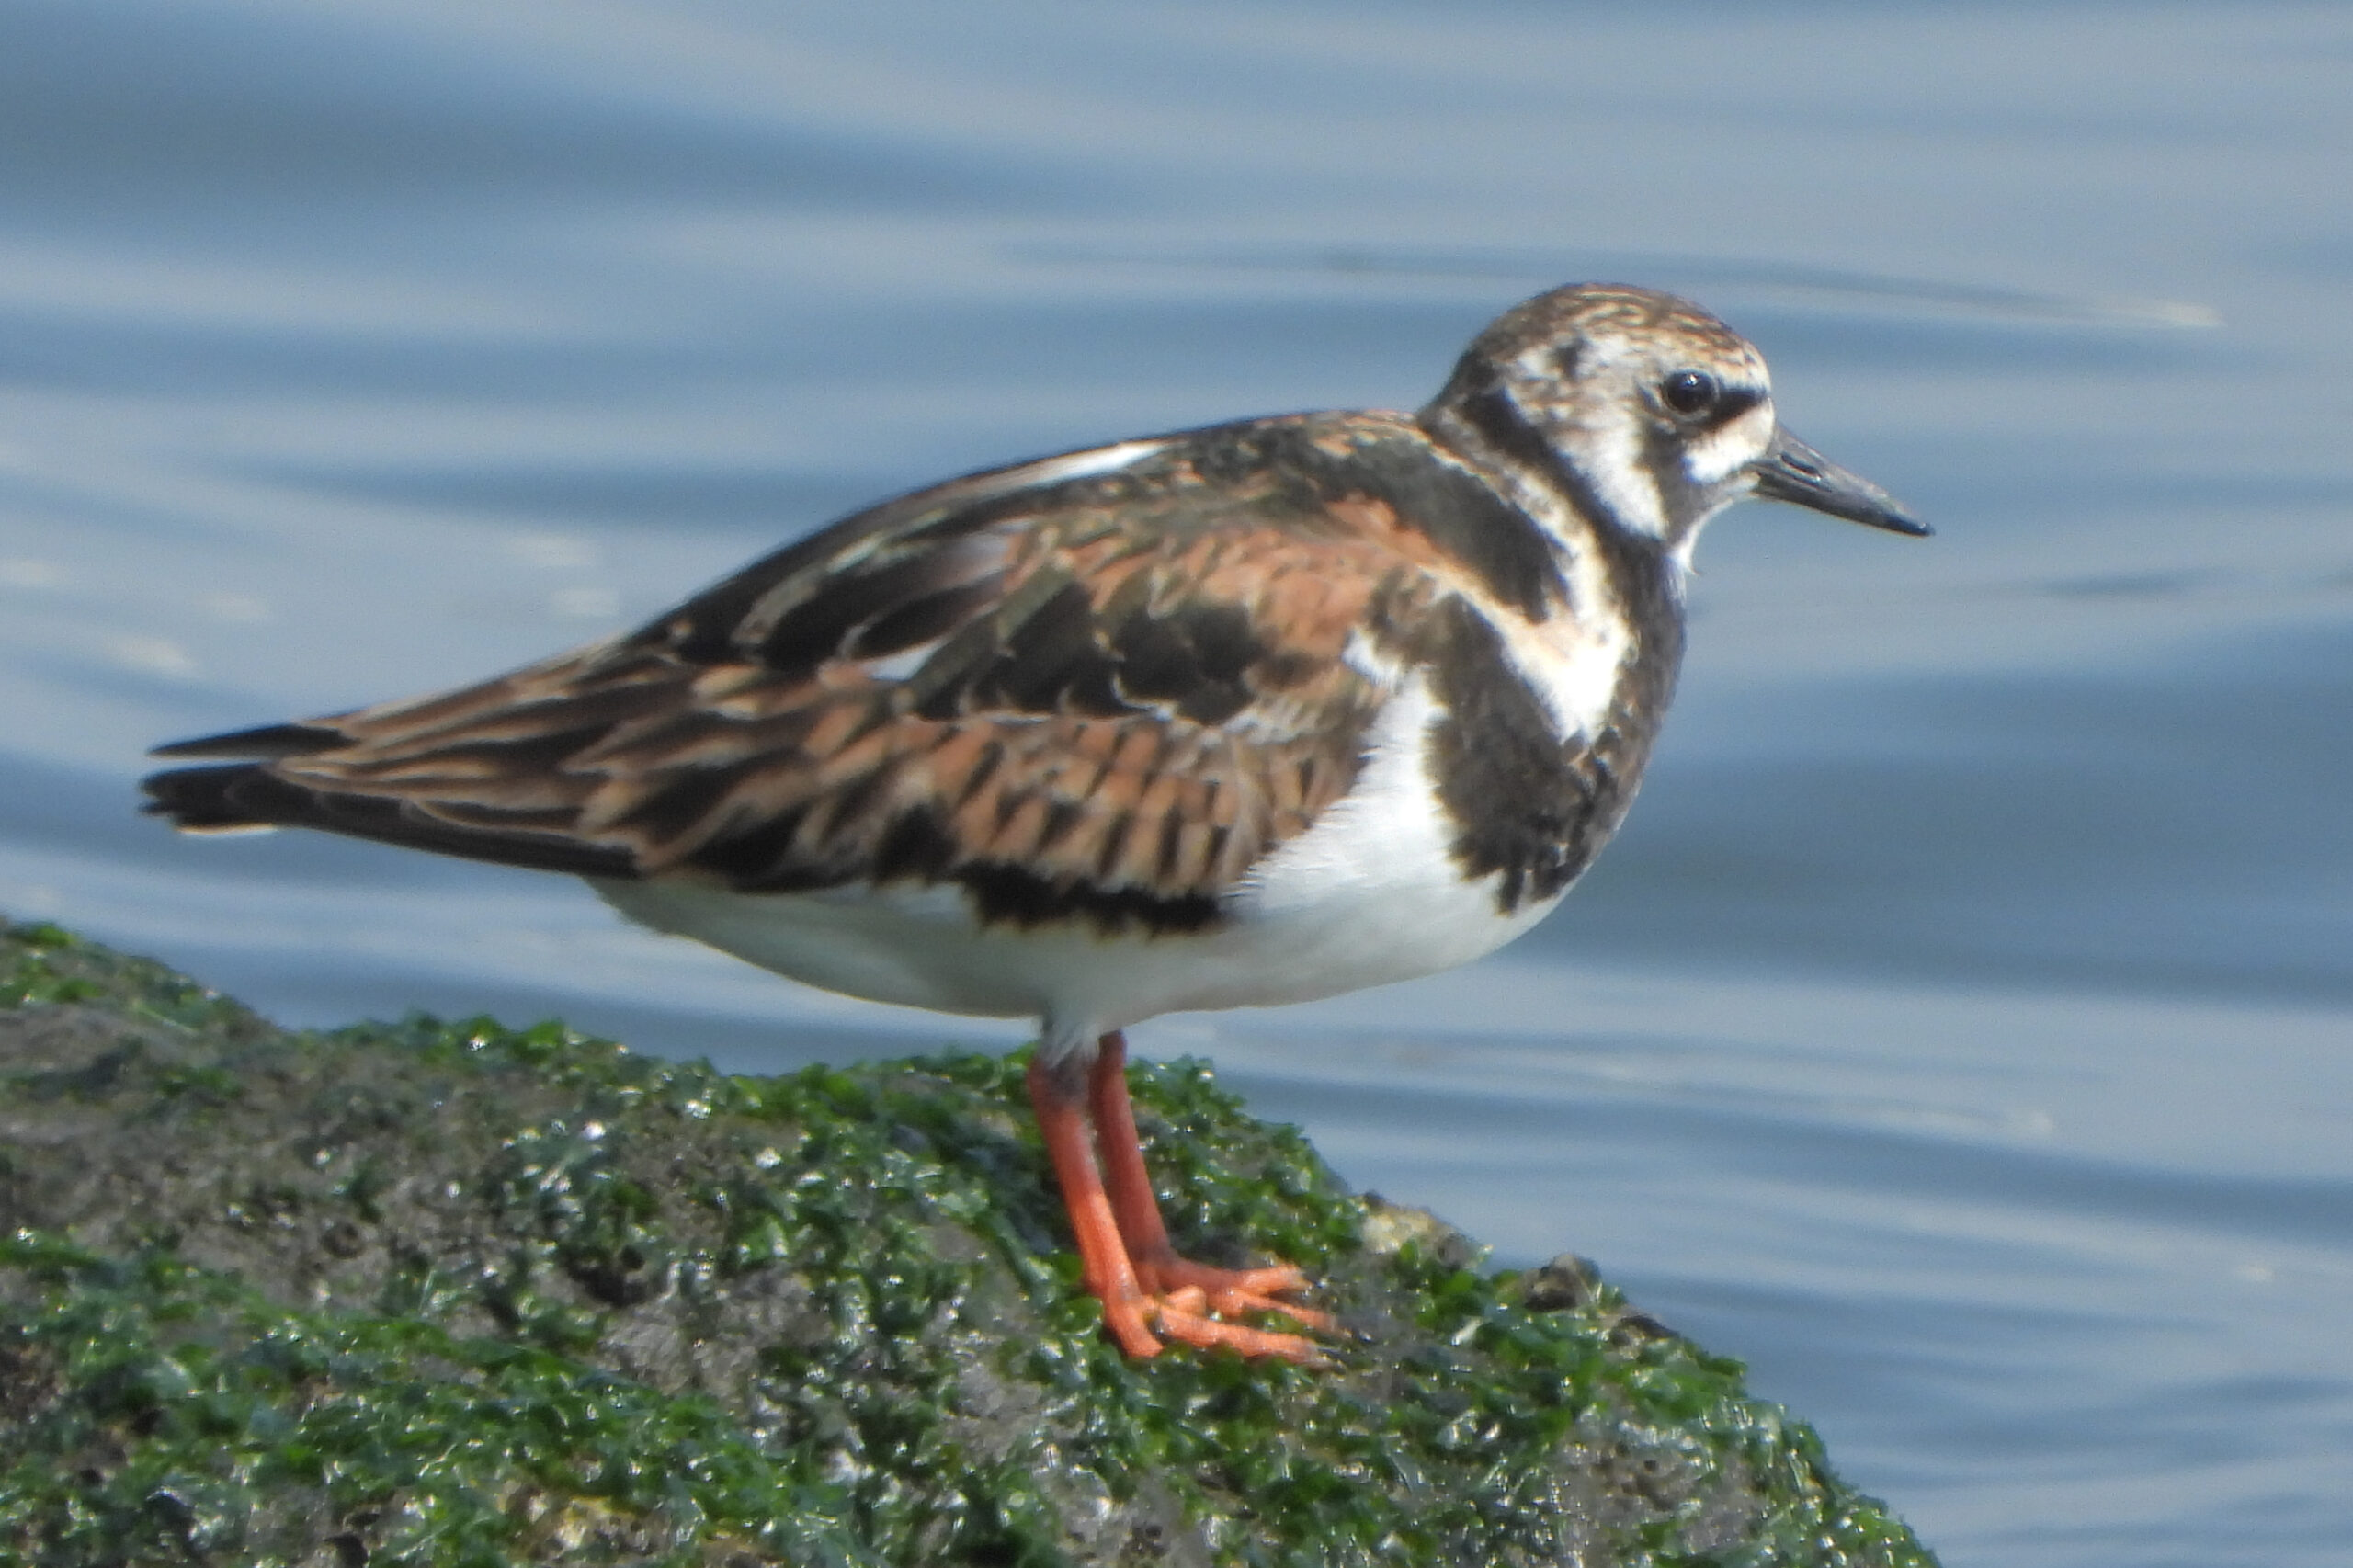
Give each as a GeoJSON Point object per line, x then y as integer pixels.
{"type": "Point", "coordinates": [247, 794]}
{"type": "Point", "coordinates": [236, 794]}
{"type": "Point", "coordinates": [268, 741]}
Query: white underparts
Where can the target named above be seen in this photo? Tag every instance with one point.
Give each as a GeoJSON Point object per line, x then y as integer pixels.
{"type": "Point", "coordinates": [1370, 893]}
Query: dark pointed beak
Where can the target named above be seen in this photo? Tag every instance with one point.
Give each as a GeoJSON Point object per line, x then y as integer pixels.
{"type": "Point", "coordinates": [1795, 472]}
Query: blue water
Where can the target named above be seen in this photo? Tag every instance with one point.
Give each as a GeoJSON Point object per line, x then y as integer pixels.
{"type": "Point", "coordinates": [1961, 1030]}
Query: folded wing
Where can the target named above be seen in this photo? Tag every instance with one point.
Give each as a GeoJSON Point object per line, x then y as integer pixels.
{"type": "Point", "coordinates": [1103, 684]}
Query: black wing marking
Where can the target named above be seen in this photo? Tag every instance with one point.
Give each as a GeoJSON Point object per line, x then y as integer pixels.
{"type": "Point", "coordinates": [1103, 693]}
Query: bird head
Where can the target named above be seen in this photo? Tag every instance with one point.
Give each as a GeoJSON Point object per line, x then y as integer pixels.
{"type": "Point", "coordinates": [1645, 413]}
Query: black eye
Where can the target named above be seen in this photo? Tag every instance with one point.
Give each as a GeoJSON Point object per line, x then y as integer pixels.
{"type": "Point", "coordinates": [1689, 392]}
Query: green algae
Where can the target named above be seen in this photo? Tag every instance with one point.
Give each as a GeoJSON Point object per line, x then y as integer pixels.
{"type": "Point", "coordinates": [182, 1417]}
{"type": "Point", "coordinates": [455, 1293]}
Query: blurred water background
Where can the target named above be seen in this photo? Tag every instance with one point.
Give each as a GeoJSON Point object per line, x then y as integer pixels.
{"type": "Point", "coordinates": [1961, 1031]}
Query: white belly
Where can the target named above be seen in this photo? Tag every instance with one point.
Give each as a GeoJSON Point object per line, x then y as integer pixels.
{"type": "Point", "coordinates": [1369, 894]}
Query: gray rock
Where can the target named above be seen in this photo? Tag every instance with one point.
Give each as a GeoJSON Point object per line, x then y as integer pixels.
{"type": "Point", "coordinates": [445, 1293]}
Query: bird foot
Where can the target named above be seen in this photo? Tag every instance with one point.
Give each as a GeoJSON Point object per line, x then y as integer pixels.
{"type": "Point", "coordinates": [1188, 1303]}
{"type": "Point", "coordinates": [1148, 1293]}
{"type": "Point", "coordinates": [1184, 1316]}
{"type": "Point", "coordinates": [1230, 1293]}
{"type": "Point", "coordinates": [1178, 1317]}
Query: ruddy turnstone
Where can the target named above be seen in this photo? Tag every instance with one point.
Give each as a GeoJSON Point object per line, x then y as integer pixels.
{"type": "Point", "coordinates": [1247, 714]}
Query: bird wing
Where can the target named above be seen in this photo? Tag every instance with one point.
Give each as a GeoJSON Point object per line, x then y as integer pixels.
{"type": "Point", "coordinates": [1104, 683]}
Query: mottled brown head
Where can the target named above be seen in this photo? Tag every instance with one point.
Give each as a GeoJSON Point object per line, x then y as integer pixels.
{"type": "Point", "coordinates": [1643, 412]}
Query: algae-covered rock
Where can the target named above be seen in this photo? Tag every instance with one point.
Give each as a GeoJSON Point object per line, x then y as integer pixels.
{"type": "Point", "coordinates": [456, 1293]}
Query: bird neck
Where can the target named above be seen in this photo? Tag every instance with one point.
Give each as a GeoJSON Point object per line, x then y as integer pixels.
{"type": "Point", "coordinates": [1607, 492]}
{"type": "Point", "coordinates": [1583, 516]}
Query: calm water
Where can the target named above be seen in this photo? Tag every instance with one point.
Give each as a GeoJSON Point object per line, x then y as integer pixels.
{"type": "Point", "coordinates": [1963, 1029]}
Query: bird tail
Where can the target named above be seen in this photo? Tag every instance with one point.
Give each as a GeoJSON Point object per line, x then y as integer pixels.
{"type": "Point", "coordinates": [236, 797]}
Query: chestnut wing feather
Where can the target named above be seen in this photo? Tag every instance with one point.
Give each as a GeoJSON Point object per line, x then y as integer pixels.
{"type": "Point", "coordinates": [1104, 696]}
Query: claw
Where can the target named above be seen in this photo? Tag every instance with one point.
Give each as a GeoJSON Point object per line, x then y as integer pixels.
{"type": "Point", "coordinates": [1230, 1292]}
{"type": "Point", "coordinates": [1208, 1333]}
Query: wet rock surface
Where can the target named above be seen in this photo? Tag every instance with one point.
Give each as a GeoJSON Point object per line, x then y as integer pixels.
{"type": "Point", "coordinates": [454, 1293]}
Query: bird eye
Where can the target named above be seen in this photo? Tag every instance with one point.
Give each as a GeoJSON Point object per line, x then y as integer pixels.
{"type": "Point", "coordinates": [1689, 392]}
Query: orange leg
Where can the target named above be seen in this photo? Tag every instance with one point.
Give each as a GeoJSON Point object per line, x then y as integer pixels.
{"type": "Point", "coordinates": [1158, 1269]}
{"type": "Point", "coordinates": [1102, 1256]}
{"type": "Point", "coordinates": [1178, 1297]}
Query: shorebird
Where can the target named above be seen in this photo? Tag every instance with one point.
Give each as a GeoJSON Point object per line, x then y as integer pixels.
{"type": "Point", "coordinates": [1242, 715]}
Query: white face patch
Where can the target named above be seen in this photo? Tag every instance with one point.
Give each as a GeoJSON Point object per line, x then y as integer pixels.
{"type": "Point", "coordinates": [1613, 465]}
{"type": "Point", "coordinates": [1720, 454]}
